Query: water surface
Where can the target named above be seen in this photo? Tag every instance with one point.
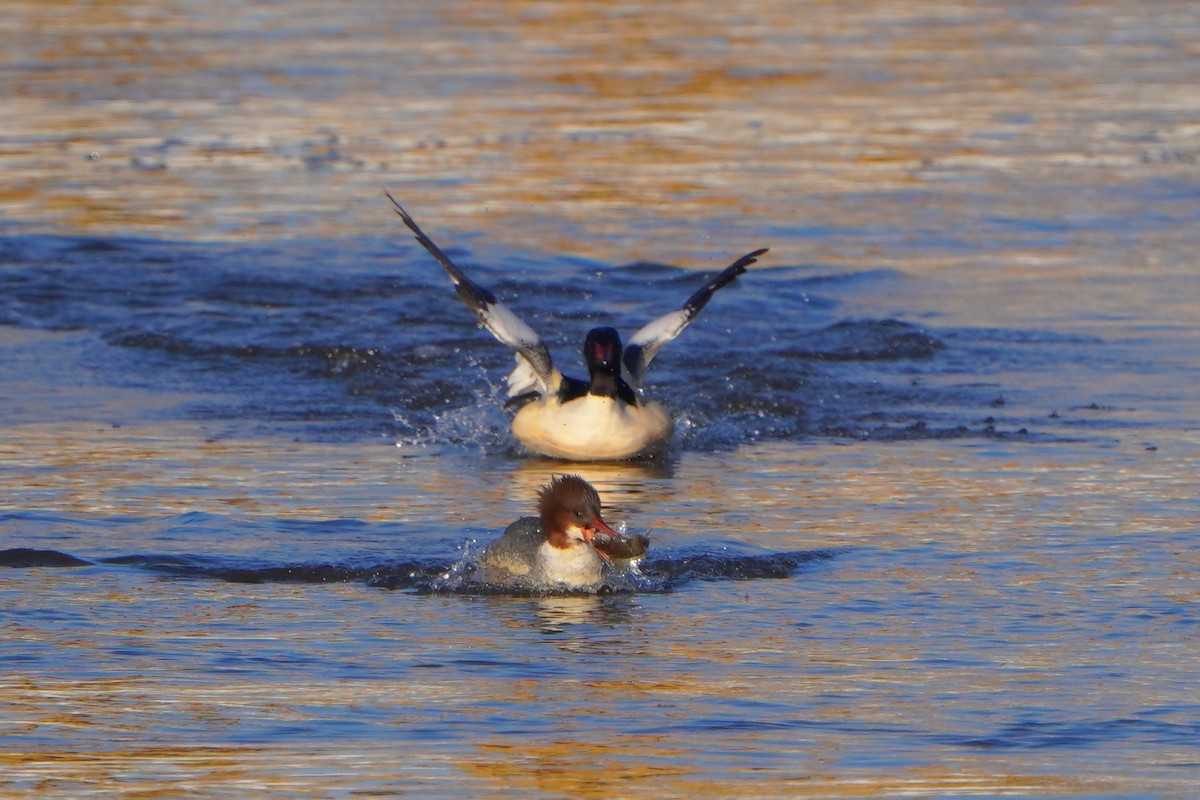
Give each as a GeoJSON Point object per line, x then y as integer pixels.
{"type": "Point", "coordinates": [927, 527]}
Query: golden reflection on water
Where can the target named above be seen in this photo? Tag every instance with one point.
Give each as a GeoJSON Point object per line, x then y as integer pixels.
{"type": "Point", "coordinates": [846, 493]}
{"type": "Point", "coordinates": [175, 468]}
{"type": "Point", "coordinates": [563, 124]}
{"type": "Point", "coordinates": [590, 769]}
{"type": "Point", "coordinates": [623, 487]}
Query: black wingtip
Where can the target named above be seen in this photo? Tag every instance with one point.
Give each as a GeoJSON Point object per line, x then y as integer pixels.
{"type": "Point", "coordinates": [735, 269]}
{"type": "Point", "coordinates": [399, 209]}
{"type": "Point", "coordinates": [472, 295]}
{"type": "Point", "coordinates": [750, 258]}
{"type": "Point", "coordinates": [698, 300]}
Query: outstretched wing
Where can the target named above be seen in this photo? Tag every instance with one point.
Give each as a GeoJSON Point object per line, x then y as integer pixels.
{"type": "Point", "coordinates": [535, 371]}
{"type": "Point", "coordinates": [646, 343]}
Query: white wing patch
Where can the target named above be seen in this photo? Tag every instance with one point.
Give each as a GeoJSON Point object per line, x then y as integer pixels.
{"type": "Point", "coordinates": [524, 379]}
{"type": "Point", "coordinates": [508, 327]}
{"type": "Point", "coordinates": [661, 330]}
{"type": "Point", "coordinates": [648, 340]}
{"type": "Point", "coordinates": [534, 371]}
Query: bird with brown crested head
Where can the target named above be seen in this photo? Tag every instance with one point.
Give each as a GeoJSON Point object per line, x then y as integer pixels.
{"type": "Point", "coordinates": [567, 546]}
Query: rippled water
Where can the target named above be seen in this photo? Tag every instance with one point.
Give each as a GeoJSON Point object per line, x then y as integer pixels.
{"type": "Point", "coordinates": [928, 524]}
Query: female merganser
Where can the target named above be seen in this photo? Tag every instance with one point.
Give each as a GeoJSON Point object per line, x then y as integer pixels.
{"type": "Point", "coordinates": [564, 547]}
{"type": "Point", "coordinates": [600, 419]}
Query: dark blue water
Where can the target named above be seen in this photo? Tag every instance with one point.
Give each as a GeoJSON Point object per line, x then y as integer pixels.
{"type": "Point", "coordinates": [657, 574]}
{"type": "Point", "coordinates": [365, 340]}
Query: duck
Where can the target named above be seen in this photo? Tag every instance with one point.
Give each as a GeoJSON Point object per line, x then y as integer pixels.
{"type": "Point", "coordinates": [568, 546]}
{"type": "Point", "coordinates": [603, 418]}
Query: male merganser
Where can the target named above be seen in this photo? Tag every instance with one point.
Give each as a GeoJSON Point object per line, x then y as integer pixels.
{"type": "Point", "coordinates": [564, 547]}
{"type": "Point", "coordinates": [603, 418]}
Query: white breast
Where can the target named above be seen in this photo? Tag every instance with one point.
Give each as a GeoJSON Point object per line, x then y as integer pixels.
{"type": "Point", "coordinates": [591, 428]}
{"type": "Point", "coordinates": [575, 567]}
